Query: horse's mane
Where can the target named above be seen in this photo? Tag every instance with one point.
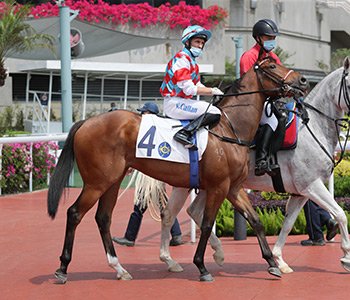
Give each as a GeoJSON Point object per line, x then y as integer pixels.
{"type": "Point", "coordinates": [234, 87]}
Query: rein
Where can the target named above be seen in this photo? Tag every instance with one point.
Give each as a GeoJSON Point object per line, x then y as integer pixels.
{"type": "Point", "coordinates": [283, 89]}
{"type": "Point", "coordinates": [337, 122]}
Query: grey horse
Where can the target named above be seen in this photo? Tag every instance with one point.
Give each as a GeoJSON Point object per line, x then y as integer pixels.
{"type": "Point", "coordinates": [304, 171]}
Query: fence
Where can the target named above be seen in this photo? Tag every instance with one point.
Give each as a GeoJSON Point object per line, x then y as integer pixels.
{"type": "Point", "coordinates": [30, 140]}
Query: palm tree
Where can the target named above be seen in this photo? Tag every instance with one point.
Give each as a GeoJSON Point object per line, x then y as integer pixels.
{"type": "Point", "coordinates": [16, 35]}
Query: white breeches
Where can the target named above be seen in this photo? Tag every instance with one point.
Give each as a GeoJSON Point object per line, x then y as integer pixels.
{"type": "Point", "coordinates": [268, 118]}
{"type": "Point", "coordinates": [187, 109]}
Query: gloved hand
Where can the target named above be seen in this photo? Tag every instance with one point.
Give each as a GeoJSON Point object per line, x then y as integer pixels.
{"type": "Point", "coordinates": [216, 91]}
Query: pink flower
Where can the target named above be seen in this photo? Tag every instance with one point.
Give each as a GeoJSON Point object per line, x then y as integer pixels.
{"type": "Point", "coordinates": [139, 15]}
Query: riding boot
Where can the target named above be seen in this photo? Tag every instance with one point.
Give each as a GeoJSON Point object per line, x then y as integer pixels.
{"type": "Point", "coordinates": [262, 153]}
{"type": "Point", "coordinates": [184, 136]}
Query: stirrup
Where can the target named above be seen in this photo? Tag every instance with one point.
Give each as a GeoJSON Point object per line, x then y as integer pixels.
{"type": "Point", "coordinates": [185, 140]}
{"type": "Point", "coordinates": [261, 168]}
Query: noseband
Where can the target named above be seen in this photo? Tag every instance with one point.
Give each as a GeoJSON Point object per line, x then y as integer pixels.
{"type": "Point", "coordinates": [284, 88]}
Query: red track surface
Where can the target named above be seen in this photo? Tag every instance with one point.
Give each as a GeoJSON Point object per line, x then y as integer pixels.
{"type": "Point", "coordinates": [31, 243]}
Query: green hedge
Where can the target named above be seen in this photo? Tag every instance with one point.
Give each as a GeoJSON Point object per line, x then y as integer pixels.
{"type": "Point", "coordinates": [272, 220]}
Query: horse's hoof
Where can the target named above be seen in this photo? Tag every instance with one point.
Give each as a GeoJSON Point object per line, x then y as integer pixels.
{"type": "Point", "coordinates": [219, 258]}
{"type": "Point", "coordinates": [176, 268]}
{"type": "Point", "coordinates": [286, 269]}
{"type": "Point", "coordinates": [125, 276]}
{"type": "Point", "coordinates": [60, 276]}
{"type": "Point", "coordinates": [345, 264]}
{"type": "Point", "coordinates": [275, 271]}
{"type": "Point", "coordinates": [206, 277]}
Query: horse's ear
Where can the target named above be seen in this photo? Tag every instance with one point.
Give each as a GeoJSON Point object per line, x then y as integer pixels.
{"type": "Point", "coordinates": [346, 63]}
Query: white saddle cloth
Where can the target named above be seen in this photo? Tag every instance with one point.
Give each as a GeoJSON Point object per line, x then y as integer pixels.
{"type": "Point", "coordinates": [155, 140]}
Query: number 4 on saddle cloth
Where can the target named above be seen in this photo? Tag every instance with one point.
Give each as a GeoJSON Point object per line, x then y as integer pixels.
{"type": "Point", "coordinates": [155, 140]}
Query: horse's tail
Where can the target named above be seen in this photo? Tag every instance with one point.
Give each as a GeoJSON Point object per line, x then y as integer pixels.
{"type": "Point", "coordinates": [62, 172]}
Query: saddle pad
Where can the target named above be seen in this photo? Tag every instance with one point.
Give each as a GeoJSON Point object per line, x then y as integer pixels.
{"type": "Point", "coordinates": [155, 140]}
{"type": "Point", "coordinates": [290, 138]}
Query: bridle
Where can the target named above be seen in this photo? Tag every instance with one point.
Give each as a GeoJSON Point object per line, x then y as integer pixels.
{"type": "Point", "coordinates": [337, 122]}
{"type": "Point", "coordinates": [283, 90]}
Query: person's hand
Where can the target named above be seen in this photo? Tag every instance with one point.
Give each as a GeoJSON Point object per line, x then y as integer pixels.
{"type": "Point", "coordinates": [216, 91]}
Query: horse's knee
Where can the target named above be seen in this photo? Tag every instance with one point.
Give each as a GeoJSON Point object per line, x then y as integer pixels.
{"type": "Point", "coordinates": [341, 217]}
{"type": "Point", "coordinates": [166, 218]}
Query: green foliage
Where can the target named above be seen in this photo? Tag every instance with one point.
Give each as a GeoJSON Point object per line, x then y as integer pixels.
{"type": "Point", "coordinates": [222, 80]}
{"type": "Point", "coordinates": [271, 219]}
{"type": "Point", "coordinates": [224, 219]}
{"type": "Point", "coordinates": [274, 195]}
{"type": "Point", "coordinates": [11, 119]}
{"type": "Point", "coordinates": [16, 35]}
{"type": "Point", "coordinates": [343, 169]}
{"type": "Point", "coordinates": [337, 59]}
{"type": "Point", "coordinates": [283, 56]}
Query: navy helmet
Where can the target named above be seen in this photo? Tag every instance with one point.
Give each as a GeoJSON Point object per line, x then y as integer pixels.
{"type": "Point", "coordinates": [265, 27]}
{"type": "Point", "coordinates": [149, 107]}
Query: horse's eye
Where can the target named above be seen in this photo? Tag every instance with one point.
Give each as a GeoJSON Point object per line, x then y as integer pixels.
{"type": "Point", "coordinates": [273, 67]}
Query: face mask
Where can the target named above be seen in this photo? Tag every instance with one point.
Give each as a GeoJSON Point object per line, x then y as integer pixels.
{"type": "Point", "coordinates": [269, 45]}
{"type": "Point", "coordinates": [196, 52]}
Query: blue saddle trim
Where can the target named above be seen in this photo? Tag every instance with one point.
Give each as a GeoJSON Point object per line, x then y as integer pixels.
{"type": "Point", "coordinates": [194, 163]}
{"type": "Point", "coordinates": [291, 106]}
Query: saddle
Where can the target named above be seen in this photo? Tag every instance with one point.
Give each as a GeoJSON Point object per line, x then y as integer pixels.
{"type": "Point", "coordinates": [285, 137]}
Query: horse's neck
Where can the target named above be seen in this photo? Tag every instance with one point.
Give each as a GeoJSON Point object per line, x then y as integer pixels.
{"type": "Point", "coordinates": [244, 112]}
{"type": "Point", "coordinates": [324, 98]}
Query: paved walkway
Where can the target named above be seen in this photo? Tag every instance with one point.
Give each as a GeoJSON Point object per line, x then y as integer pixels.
{"type": "Point", "coordinates": [30, 245]}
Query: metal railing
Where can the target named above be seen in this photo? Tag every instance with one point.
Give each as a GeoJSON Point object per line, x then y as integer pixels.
{"type": "Point", "coordinates": [31, 140]}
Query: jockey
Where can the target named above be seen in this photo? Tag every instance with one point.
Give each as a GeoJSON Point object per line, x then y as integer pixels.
{"type": "Point", "coordinates": [181, 82]}
{"type": "Point", "coordinates": [264, 33]}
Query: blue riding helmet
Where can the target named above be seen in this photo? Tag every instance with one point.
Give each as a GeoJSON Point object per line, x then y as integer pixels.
{"type": "Point", "coordinates": [195, 31]}
{"type": "Point", "coordinates": [149, 107]}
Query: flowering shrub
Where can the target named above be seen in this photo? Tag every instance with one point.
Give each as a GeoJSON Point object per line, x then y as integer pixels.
{"type": "Point", "coordinates": [17, 165]}
{"type": "Point", "coordinates": [139, 15]}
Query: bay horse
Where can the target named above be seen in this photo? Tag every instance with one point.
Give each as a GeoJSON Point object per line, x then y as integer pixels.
{"type": "Point", "coordinates": [304, 170]}
{"type": "Point", "coordinates": [104, 149]}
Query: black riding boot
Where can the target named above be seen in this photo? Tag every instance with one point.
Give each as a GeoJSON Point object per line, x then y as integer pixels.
{"type": "Point", "coordinates": [184, 136]}
{"type": "Point", "coordinates": [262, 153]}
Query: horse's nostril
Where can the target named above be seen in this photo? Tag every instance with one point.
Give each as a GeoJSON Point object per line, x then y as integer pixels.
{"type": "Point", "coordinates": [303, 80]}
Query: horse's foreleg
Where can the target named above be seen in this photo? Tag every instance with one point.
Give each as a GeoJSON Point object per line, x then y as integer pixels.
{"type": "Point", "coordinates": [294, 205]}
{"type": "Point", "coordinates": [75, 214]}
{"type": "Point", "coordinates": [169, 213]}
{"type": "Point", "coordinates": [243, 205]}
{"type": "Point", "coordinates": [103, 220]}
{"type": "Point", "coordinates": [320, 195]}
{"type": "Point", "coordinates": [195, 211]}
{"type": "Point", "coordinates": [214, 200]}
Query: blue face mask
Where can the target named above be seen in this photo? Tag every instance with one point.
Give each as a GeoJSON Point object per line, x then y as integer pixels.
{"type": "Point", "coordinates": [269, 45]}
{"type": "Point", "coordinates": [196, 52]}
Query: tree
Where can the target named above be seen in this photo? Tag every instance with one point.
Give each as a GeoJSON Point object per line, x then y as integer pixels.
{"type": "Point", "coordinates": [16, 35]}
{"type": "Point", "coordinates": [337, 59]}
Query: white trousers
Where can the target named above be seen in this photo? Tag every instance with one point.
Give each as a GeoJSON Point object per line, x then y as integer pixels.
{"type": "Point", "coordinates": [268, 118]}
{"type": "Point", "coordinates": [187, 109]}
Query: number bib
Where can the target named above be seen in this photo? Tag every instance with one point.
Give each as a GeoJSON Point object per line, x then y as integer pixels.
{"type": "Point", "coordinates": [155, 140]}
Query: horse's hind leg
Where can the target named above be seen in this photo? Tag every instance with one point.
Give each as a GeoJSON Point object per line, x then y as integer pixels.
{"type": "Point", "coordinates": [75, 213]}
{"type": "Point", "coordinates": [103, 219]}
{"type": "Point", "coordinates": [243, 205]}
{"type": "Point", "coordinates": [175, 203]}
{"type": "Point", "coordinates": [195, 211]}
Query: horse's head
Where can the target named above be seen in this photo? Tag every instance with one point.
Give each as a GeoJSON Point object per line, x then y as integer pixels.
{"type": "Point", "coordinates": [276, 80]}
